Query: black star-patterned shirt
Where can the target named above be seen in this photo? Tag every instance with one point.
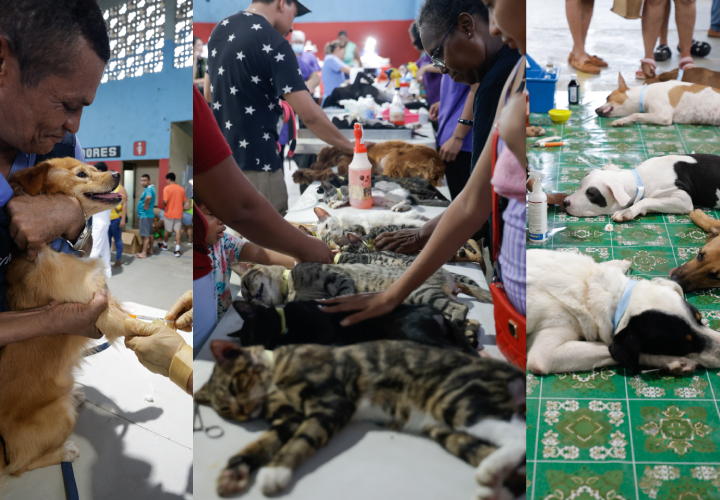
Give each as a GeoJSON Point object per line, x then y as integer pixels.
{"type": "Point", "coordinates": [251, 65]}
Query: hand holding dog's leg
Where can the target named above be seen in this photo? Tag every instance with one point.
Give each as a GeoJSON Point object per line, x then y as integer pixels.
{"type": "Point", "coordinates": [77, 318]}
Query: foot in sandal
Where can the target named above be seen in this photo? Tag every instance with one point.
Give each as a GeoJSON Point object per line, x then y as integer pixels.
{"type": "Point", "coordinates": [585, 66]}
{"type": "Point", "coordinates": [597, 61]}
{"type": "Point", "coordinates": [140, 256]}
{"type": "Point", "coordinates": [647, 69]}
{"type": "Point", "coordinates": [686, 63]}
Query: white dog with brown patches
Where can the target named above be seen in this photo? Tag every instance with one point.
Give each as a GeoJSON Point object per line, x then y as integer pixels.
{"type": "Point", "coordinates": [663, 103]}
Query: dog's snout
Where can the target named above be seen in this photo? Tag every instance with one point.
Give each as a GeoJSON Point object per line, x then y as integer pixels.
{"type": "Point", "coordinates": [566, 202]}
{"type": "Point", "coordinates": [116, 175]}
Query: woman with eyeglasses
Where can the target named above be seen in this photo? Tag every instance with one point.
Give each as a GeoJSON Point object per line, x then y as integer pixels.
{"type": "Point", "coordinates": [455, 34]}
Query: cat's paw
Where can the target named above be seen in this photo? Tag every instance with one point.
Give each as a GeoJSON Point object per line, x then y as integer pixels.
{"type": "Point", "coordinates": [274, 479]}
{"type": "Point", "coordinates": [681, 366]}
{"type": "Point", "coordinates": [233, 480]}
{"type": "Point", "coordinates": [336, 204]}
{"type": "Point", "coordinates": [70, 451]}
{"type": "Point", "coordinates": [493, 470]}
{"type": "Point", "coordinates": [403, 206]}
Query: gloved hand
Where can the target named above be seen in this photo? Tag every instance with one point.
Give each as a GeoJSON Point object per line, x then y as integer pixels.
{"type": "Point", "coordinates": [154, 344]}
{"type": "Point", "coordinates": [182, 311]}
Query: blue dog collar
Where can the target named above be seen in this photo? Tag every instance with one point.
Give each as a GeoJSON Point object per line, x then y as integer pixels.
{"type": "Point", "coordinates": [624, 302]}
{"type": "Point", "coordinates": [642, 98]}
{"type": "Point", "coordinates": [680, 74]}
{"type": "Point", "coordinates": [640, 194]}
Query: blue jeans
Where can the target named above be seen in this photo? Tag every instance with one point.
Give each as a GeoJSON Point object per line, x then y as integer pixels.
{"type": "Point", "coordinates": [715, 16]}
{"type": "Point", "coordinates": [116, 232]}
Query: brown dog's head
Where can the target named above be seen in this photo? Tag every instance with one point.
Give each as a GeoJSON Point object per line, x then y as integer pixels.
{"type": "Point", "coordinates": [92, 188]}
{"type": "Point", "coordinates": [617, 102]}
{"type": "Point", "coordinates": [704, 270]}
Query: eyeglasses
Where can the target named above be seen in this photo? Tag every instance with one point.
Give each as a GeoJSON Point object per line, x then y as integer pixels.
{"type": "Point", "coordinates": [439, 63]}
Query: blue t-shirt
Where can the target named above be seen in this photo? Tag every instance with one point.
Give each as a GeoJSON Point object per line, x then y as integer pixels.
{"type": "Point", "coordinates": [332, 77]}
{"type": "Point", "coordinates": [452, 101]}
{"type": "Point", "coordinates": [149, 213]}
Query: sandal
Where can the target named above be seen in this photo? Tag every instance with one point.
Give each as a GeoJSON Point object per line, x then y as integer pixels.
{"type": "Point", "coordinates": [640, 74]}
{"type": "Point", "coordinates": [596, 61]}
{"type": "Point", "coordinates": [686, 63]}
{"type": "Point", "coordinates": [662, 53]}
{"type": "Point", "coordinates": [586, 67]}
{"type": "Point", "coordinates": [699, 49]}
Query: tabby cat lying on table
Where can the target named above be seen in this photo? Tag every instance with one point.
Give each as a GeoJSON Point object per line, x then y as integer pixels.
{"type": "Point", "coordinates": [303, 322]}
{"type": "Point", "coordinates": [421, 191]}
{"type": "Point", "coordinates": [384, 194]}
{"type": "Point", "coordinates": [472, 406]}
{"type": "Point", "coordinates": [274, 285]}
{"type": "Point", "coordinates": [368, 220]}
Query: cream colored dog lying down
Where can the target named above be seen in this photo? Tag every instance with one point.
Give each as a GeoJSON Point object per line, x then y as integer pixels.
{"type": "Point", "coordinates": [583, 315]}
{"type": "Point", "coordinates": [37, 402]}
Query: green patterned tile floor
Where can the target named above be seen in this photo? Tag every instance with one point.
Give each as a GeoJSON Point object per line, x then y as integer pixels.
{"type": "Point", "coordinates": [610, 434]}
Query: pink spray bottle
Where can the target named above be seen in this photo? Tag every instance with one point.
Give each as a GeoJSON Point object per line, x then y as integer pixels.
{"type": "Point", "coordinates": [360, 173]}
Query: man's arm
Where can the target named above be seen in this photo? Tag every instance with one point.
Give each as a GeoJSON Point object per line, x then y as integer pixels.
{"type": "Point", "coordinates": [123, 192]}
{"type": "Point", "coordinates": [254, 253]}
{"type": "Point", "coordinates": [313, 81]}
{"type": "Point", "coordinates": [316, 120]}
{"type": "Point", "coordinates": [206, 87]}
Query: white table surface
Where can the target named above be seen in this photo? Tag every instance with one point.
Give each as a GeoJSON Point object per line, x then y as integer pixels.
{"type": "Point", "coordinates": [130, 448]}
{"type": "Point", "coordinates": [363, 461]}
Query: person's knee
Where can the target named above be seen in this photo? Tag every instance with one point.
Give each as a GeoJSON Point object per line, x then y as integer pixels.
{"type": "Point", "coordinates": [656, 3]}
{"type": "Point", "coordinates": [685, 3]}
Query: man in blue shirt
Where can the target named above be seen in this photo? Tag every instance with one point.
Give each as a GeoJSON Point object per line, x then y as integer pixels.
{"type": "Point", "coordinates": [42, 94]}
{"type": "Point", "coordinates": [146, 215]}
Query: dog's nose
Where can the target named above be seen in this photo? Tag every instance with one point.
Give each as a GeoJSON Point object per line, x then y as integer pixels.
{"type": "Point", "coordinates": [566, 202]}
{"type": "Point", "coordinates": [116, 175]}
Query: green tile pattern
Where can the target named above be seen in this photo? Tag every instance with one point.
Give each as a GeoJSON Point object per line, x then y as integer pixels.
{"type": "Point", "coordinates": [609, 434]}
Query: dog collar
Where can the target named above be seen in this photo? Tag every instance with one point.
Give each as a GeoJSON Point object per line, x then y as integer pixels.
{"type": "Point", "coordinates": [283, 323]}
{"type": "Point", "coordinates": [61, 245]}
{"type": "Point", "coordinates": [623, 304]}
{"type": "Point", "coordinates": [642, 98]}
{"type": "Point", "coordinates": [640, 194]}
{"type": "Point", "coordinates": [284, 285]}
{"type": "Point", "coordinates": [337, 257]}
{"type": "Point", "coordinates": [680, 74]}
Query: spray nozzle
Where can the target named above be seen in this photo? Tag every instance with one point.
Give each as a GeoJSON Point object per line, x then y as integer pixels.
{"type": "Point", "coordinates": [537, 185]}
{"type": "Point", "coordinates": [359, 140]}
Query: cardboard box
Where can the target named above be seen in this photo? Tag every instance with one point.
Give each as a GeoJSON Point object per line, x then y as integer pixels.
{"type": "Point", "coordinates": [132, 243]}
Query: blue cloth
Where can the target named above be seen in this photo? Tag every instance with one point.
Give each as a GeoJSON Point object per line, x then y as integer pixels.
{"type": "Point", "coordinates": [332, 77]}
{"type": "Point", "coordinates": [116, 232]}
{"type": "Point", "coordinates": [624, 302]}
{"type": "Point", "coordinates": [308, 64]}
{"type": "Point", "coordinates": [149, 213]}
{"type": "Point", "coordinates": [715, 16]}
{"type": "Point", "coordinates": [642, 98]}
{"type": "Point", "coordinates": [206, 311]}
{"type": "Point", "coordinates": [452, 101]}
{"type": "Point", "coordinates": [640, 193]}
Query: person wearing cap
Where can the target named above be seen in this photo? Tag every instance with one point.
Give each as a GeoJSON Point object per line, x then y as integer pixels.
{"type": "Point", "coordinates": [309, 66]}
{"type": "Point", "coordinates": [251, 66]}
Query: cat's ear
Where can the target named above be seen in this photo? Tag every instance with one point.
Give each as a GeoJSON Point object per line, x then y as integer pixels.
{"type": "Point", "coordinates": [327, 186]}
{"type": "Point", "coordinates": [225, 352]}
{"type": "Point", "coordinates": [355, 239]}
{"type": "Point", "coordinates": [305, 230]}
{"type": "Point", "coordinates": [203, 395]}
{"type": "Point", "coordinates": [245, 309]}
{"type": "Point", "coordinates": [241, 268]}
{"type": "Point", "coordinates": [322, 215]}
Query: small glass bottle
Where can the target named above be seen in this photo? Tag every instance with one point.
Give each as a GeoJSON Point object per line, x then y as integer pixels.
{"type": "Point", "coordinates": [573, 91]}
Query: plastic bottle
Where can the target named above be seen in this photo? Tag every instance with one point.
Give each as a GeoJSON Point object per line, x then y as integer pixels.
{"type": "Point", "coordinates": [537, 210]}
{"type": "Point", "coordinates": [397, 109]}
{"type": "Point", "coordinates": [573, 90]}
{"type": "Point", "coordinates": [360, 173]}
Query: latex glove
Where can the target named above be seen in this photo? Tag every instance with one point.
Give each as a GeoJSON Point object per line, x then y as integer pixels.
{"type": "Point", "coordinates": [182, 311]}
{"type": "Point", "coordinates": [155, 345]}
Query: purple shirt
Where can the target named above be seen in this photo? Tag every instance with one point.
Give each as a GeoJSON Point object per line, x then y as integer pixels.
{"type": "Point", "coordinates": [452, 101]}
{"type": "Point", "coordinates": [431, 81]}
{"type": "Point", "coordinates": [308, 64]}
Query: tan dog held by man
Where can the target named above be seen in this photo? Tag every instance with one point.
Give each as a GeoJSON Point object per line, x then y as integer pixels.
{"type": "Point", "coordinates": [391, 158]}
{"type": "Point", "coordinates": [37, 400]}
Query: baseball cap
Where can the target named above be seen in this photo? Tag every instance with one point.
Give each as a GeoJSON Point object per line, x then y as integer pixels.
{"type": "Point", "coordinates": [301, 9]}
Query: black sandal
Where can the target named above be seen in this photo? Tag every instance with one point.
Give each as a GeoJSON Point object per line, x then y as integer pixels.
{"type": "Point", "coordinates": [698, 49]}
{"type": "Point", "coordinates": [662, 53]}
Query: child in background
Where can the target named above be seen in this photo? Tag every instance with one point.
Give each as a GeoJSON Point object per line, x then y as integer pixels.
{"type": "Point", "coordinates": [225, 250]}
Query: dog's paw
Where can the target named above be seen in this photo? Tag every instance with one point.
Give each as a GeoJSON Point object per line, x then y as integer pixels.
{"type": "Point", "coordinates": [492, 471]}
{"type": "Point", "coordinates": [621, 122]}
{"type": "Point", "coordinates": [233, 480]}
{"type": "Point", "coordinates": [623, 215]}
{"type": "Point", "coordinates": [70, 451]}
{"type": "Point", "coordinates": [681, 366]}
{"type": "Point", "coordinates": [274, 479]}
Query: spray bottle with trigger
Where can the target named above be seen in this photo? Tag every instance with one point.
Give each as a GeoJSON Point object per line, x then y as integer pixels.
{"type": "Point", "coordinates": [537, 210]}
{"type": "Point", "coordinates": [360, 173]}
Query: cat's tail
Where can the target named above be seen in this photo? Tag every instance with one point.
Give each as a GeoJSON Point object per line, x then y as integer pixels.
{"type": "Point", "coordinates": [466, 447]}
{"type": "Point", "coordinates": [470, 287]}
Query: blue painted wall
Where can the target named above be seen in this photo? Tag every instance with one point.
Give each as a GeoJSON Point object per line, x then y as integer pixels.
{"type": "Point", "coordinates": [139, 109]}
{"type": "Point", "coordinates": [322, 10]}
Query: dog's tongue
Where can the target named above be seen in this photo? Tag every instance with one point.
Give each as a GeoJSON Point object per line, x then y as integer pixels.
{"type": "Point", "coordinates": [106, 196]}
{"type": "Point", "coordinates": [672, 271]}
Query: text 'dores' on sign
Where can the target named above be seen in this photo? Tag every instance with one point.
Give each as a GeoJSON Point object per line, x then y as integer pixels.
{"type": "Point", "coordinates": [104, 152]}
{"type": "Point", "coordinates": [139, 148]}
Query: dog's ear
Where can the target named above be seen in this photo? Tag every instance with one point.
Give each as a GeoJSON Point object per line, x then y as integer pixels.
{"type": "Point", "coordinates": [622, 86]}
{"type": "Point", "coordinates": [625, 348]}
{"type": "Point", "coordinates": [203, 395]}
{"type": "Point", "coordinates": [611, 167]}
{"type": "Point", "coordinates": [30, 180]}
{"type": "Point", "coordinates": [618, 193]}
{"type": "Point", "coordinates": [712, 233]}
{"type": "Point", "coordinates": [322, 215]}
{"type": "Point", "coordinates": [669, 284]}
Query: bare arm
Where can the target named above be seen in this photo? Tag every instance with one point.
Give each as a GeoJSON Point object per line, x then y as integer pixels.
{"type": "Point", "coordinates": [147, 203]}
{"type": "Point", "coordinates": [313, 81]}
{"type": "Point", "coordinates": [123, 193]}
{"type": "Point", "coordinates": [316, 120]}
{"type": "Point", "coordinates": [206, 87]}
{"type": "Point", "coordinates": [345, 69]}
{"type": "Point", "coordinates": [253, 253]}
{"type": "Point", "coordinates": [233, 199]}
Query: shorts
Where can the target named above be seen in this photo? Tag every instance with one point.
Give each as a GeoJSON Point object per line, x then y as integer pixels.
{"type": "Point", "coordinates": [146, 227]}
{"type": "Point", "coordinates": [173, 225]}
{"type": "Point", "coordinates": [187, 219]}
{"type": "Point", "coordinates": [272, 186]}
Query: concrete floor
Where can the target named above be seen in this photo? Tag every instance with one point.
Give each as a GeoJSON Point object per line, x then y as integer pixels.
{"type": "Point", "coordinates": [617, 40]}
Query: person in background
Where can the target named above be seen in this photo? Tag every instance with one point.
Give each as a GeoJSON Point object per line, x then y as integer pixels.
{"type": "Point", "coordinates": [579, 13]}
{"type": "Point", "coordinates": [226, 250]}
{"type": "Point", "coordinates": [174, 198]}
{"type": "Point", "coordinates": [199, 63]}
{"type": "Point", "coordinates": [118, 218]}
{"type": "Point", "coordinates": [187, 220]}
{"type": "Point", "coordinates": [146, 215]}
{"type": "Point", "coordinates": [351, 54]}
{"type": "Point", "coordinates": [334, 69]}
{"type": "Point", "coordinates": [101, 232]}
{"type": "Point", "coordinates": [662, 51]}
{"type": "Point", "coordinates": [714, 30]}
{"type": "Point", "coordinates": [307, 61]}
{"type": "Point", "coordinates": [652, 18]}
{"type": "Point", "coordinates": [427, 74]}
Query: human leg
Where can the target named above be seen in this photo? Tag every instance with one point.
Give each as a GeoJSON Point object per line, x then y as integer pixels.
{"type": "Point", "coordinates": [685, 20]}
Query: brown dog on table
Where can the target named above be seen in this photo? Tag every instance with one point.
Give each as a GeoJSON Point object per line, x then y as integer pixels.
{"type": "Point", "coordinates": [37, 398]}
{"type": "Point", "coordinates": [701, 76]}
{"type": "Point", "coordinates": [391, 158]}
{"type": "Point", "coordinates": [704, 270]}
